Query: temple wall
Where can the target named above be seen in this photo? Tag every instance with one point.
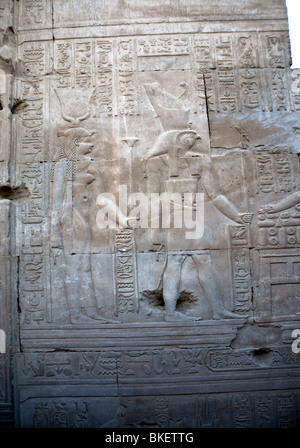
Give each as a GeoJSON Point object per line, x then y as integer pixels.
{"type": "Point", "coordinates": [150, 215]}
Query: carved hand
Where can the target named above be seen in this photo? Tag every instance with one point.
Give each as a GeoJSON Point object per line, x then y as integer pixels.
{"type": "Point", "coordinates": [133, 223]}
{"type": "Point", "coordinates": [268, 208]}
{"type": "Point", "coordinates": [246, 217]}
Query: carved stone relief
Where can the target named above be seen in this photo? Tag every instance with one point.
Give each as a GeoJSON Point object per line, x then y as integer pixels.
{"type": "Point", "coordinates": [151, 213]}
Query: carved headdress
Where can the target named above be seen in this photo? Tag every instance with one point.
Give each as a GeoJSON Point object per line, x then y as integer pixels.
{"type": "Point", "coordinates": [78, 111]}
{"type": "Point", "coordinates": [169, 109]}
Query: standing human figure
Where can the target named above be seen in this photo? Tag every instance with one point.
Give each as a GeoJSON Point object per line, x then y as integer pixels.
{"type": "Point", "coordinates": [73, 174]}
{"type": "Point", "coordinates": [168, 164]}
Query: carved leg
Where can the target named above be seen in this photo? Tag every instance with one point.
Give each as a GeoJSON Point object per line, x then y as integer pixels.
{"type": "Point", "coordinates": [80, 290]}
{"type": "Point", "coordinates": [208, 282]}
{"type": "Point", "coordinates": [73, 297]}
{"type": "Point", "coordinates": [89, 306]}
{"type": "Point", "coordinates": [171, 285]}
{"type": "Point", "coordinates": [86, 284]}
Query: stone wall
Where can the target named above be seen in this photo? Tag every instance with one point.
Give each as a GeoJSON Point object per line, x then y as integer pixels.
{"type": "Point", "coordinates": [150, 214]}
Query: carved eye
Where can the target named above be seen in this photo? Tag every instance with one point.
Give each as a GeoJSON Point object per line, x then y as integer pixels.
{"type": "Point", "coordinates": [189, 139]}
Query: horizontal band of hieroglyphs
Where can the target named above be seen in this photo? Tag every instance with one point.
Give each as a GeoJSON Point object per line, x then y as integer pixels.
{"type": "Point", "coordinates": [106, 365]}
{"type": "Point", "coordinates": [234, 71]}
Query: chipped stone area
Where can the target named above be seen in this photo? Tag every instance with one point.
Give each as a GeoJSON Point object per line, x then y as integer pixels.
{"type": "Point", "coordinates": [150, 215]}
{"type": "Point", "coordinates": [17, 195]}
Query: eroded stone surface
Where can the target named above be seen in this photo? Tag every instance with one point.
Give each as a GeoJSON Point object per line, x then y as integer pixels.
{"type": "Point", "coordinates": [113, 111]}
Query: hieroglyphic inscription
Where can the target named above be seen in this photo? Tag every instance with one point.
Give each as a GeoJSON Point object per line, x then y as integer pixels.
{"type": "Point", "coordinates": [163, 53]}
{"type": "Point", "coordinates": [284, 170]}
{"type": "Point", "coordinates": [237, 66]}
{"type": "Point", "coordinates": [32, 135]}
{"type": "Point", "coordinates": [128, 94]}
{"type": "Point", "coordinates": [100, 74]}
{"type": "Point", "coordinates": [205, 76]}
{"type": "Point", "coordinates": [275, 174]}
{"type": "Point", "coordinates": [206, 412]}
{"type": "Point", "coordinates": [162, 362]}
{"type": "Point", "coordinates": [279, 99]}
{"type": "Point", "coordinates": [275, 47]}
{"type": "Point", "coordinates": [264, 171]}
{"type": "Point", "coordinates": [162, 418]}
{"type": "Point", "coordinates": [231, 68]}
{"type": "Point", "coordinates": [286, 410]}
{"type": "Point", "coordinates": [163, 46]}
{"type": "Point", "coordinates": [73, 62]}
{"type": "Point", "coordinates": [246, 49]}
{"type": "Point", "coordinates": [104, 76]}
{"type": "Point", "coordinates": [225, 360]}
{"type": "Point", "coordinates": [125, 273]}
{"type": "Point", "coordinates": [83, 64]}
{"type": "Point", "coordinates": [278, 230]}
{"type": "Point", "coordinates": [241, 411]}
{"type": "Point", "coordinates": [295, 88]}
{"type": "Point", "coordinates": [249, 89]}
{"type": "Point", "coordinates": [33, 11]}
{"type": "Point", "coordinates": [87, 65]}
{"type": "Point", "coordinates": [263, 410]}
{"type": "Point", "coordinates": [60, 414]}
{"type": "Point", "coordinates": [226, 73]}
{"type": "Point", "coordinates": [32, 288]}
{"type": "Point", "coordinates": [63, 63]}
{"type": "Point", "coordinates": [33, 14]}
{"type": "Point", "coordinates": [241, 269]}
{"type": "Point", "coordinates": [274, 170]}
{"type": "Point", "coordinates": [73, 366]}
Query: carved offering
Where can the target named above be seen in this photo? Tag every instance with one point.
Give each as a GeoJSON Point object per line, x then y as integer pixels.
{"type": "Point", "coordinates": [150, 204]}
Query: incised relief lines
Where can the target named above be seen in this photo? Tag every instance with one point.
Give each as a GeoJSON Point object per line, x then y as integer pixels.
{"type": "Point", "coordinates": [116, 84]}
{"type": "Point", "coordinates": [168, 170]}
{"type": "Point", "coordinates": [157, 250]}
{"type": "Point", "coordinates": [73, 173]}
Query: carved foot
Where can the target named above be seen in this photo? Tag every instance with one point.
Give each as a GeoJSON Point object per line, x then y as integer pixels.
{"type": "Point", "coordinates": [177, 316]}
{"type": "Point", "coordinates": [92, 313]}
{"type": "Point", "coordinates": [224, 314]}
{"type": "Point", "coordinates": [85, 315]}
{"type": "Point", "coordinates": [77, 317]}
